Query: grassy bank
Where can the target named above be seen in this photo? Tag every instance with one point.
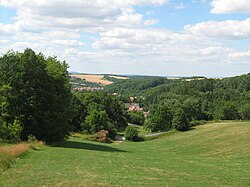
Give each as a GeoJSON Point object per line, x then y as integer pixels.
{"type": "Point", "coordinates": [210, 155]}
{"type": "Point", "coordinates": [10, 152]}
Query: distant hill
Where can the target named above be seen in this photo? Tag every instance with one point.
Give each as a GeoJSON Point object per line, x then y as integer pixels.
{"type": "Point", "coordinates": [93, 80]}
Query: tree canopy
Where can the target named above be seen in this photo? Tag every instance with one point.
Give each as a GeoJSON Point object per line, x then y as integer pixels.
{"type": "Point", "coordinates": [35, 91]}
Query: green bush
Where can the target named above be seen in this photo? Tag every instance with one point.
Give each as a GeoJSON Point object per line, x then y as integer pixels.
{"type": "Point", "coordinates": [10, 132]}
{"type": "Point", "coordinates": [152, 124]}
{"type": "Point", "coordinates": [31, 138]}
{"type": "Point", "coordinates": [131, 133]}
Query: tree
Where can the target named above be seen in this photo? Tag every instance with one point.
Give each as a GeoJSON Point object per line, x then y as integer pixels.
{"type": "Point", "coordinates": [161, 119]}
{"type": "Point", "coordinates": [229, 112]}
{"type": "Point", "coordinates": [192, 108]}
{"type": "Point", "coordinates": [78, 113]}
{"type": "Point", "coordinates": [136, 117]}
{"type": "Point", "coordinates": [96, 121]}
{"type": "Point", "coordinates": [245, 112]}
{"type": "Point", "coordinates": [39, 94]}
{"type": "Point", "coordinates": [98, 102]}
{"type": "Point", "coordinates": [180, 120]}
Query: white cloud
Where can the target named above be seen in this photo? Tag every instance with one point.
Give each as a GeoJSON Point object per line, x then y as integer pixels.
{"type": "Point", "coordinates": [155, 44]}
{"type": "Point", "coordinates": [151, 22]}
{"type": "Point", "coordinates": [4, 41]}
{"type": "Point", "coordinates": [230, 6]}
{"type": "Point", "coordinates": [230, 29]}
{"type": "Point", "coordinates": [243, 56]}
{"type": "Point", "coordinates": [110, 36]}
{"type": "Point", "coordinates": [180, 6]}
{"type": "Point", "coordinates": [76, 8]}
{"type": "Point", "coordinates": [80, 15]}
{"type": "Point", "coordinates": [73, 43]}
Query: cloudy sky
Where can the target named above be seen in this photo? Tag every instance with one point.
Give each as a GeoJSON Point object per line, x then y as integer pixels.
{"type": "Point", "coordinates": [150, 37]}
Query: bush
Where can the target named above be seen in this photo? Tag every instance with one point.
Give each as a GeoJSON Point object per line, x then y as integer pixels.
{"type": "Point", "coordinates": [10, 132]}
{"type": "Point", "coordinates": [131, 133]}
{"type": "Point", "coordinates": [31, 138]}
{"type": "Point", "coordinates": [152, 125]}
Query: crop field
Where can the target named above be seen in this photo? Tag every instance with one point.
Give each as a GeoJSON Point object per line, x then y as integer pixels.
{"type": "Point", "coordinates": [93, 78]}
{"type": "Point", "coordinates": [216, 154]}
{"type": "Point", "coordinates": [118, 77]}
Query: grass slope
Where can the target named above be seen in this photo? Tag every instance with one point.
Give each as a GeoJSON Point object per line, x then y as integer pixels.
{"type": "Point", "coordinates": [211, 155]}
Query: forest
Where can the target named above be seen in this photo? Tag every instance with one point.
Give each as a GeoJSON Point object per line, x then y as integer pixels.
{"type": "Point", "coordinates": [36, 100]}
{"type": "Point", "coordinates": [183, 103]}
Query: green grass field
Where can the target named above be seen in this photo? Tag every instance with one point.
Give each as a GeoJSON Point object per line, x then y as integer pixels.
{"type": "Point", "coordinates": [210, 155]}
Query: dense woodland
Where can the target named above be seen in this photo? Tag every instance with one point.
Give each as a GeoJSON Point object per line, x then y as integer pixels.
{"type": "Point", "coordinates": [177, 103]}
{"type": "Point", "coordinates": [36, 100]}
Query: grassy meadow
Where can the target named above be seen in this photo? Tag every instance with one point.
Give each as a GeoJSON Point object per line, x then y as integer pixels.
{"type": "Point", "coordinates": [215, 154]}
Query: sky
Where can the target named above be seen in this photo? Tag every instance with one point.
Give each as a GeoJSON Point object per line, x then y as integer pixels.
{"type": "Point", "coordinates": [147, 37]}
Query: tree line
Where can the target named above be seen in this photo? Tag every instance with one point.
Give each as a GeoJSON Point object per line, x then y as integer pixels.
{"type": "Point", "coordinates": [180, 103]}
{"type": "Point", "coordinates": [36, 101]}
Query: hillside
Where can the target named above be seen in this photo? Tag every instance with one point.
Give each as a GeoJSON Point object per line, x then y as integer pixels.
{"type": "Point", "coordinates": [99, 78]}
{"type": "Point", "coordinates": [210, 155]}
{"type": "Point", "coordinates": [226, 98]}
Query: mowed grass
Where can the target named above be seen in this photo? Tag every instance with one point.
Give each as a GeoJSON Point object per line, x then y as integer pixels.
{"type": "Point", "coordinates": [210, 155]}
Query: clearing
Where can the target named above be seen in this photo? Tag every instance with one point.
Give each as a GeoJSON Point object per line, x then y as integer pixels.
{"type": "Point", "coordinates": [215, 154]}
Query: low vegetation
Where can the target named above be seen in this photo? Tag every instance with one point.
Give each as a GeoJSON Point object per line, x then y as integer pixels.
{"type": "Point", "coordinates": [10, 152]}
{"type": "Point", "coordinates": [131, 133]}
{"type": "Point", "coordinates": [210, 155]}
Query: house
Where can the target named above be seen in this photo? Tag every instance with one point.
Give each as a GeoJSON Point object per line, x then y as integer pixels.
{"type": "Point", "coordinates": [133, 106]}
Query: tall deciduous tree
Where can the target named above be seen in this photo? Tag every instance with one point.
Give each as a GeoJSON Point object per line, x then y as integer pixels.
{"type": "Point", "coordinates": [38, 96]}
{"type": "Point", "coordinates": [180, 120]}
{"type": "Point", "coordinates": [161, 119]}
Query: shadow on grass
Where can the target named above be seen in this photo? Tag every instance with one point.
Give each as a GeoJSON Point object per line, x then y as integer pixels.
{"type": "Point", "coordinates": [191, 128]}
{"type": "Point", "coordinates": [87, 146]}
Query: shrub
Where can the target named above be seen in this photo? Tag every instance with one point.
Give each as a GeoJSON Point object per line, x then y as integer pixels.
{"type": "Point", "coordinates": [152, 125]}
{"type": "Point", "coordinates": [131, 133]}
{"type": "Point", "coordinates": [31, 138]}
{"type": "Point", "coordinates": [10, 132]}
